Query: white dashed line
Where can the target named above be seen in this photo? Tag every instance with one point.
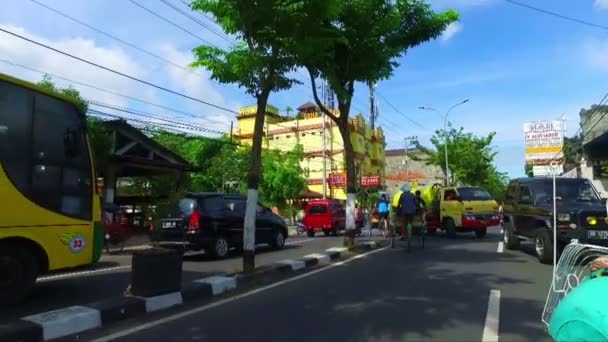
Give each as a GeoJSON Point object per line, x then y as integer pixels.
{"type": "Point", "coordinates": [298, 241]}
{"type": "Point", "coordinates": [490, 330]}
{"type": "Point", "coordinates": [501, 247]}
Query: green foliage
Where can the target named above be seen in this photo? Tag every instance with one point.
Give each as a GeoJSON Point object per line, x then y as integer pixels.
{"type": "Point", "coordinates": [362, 39]}
{"type": "Point", "coordinates": [471, 159]}
{"type": "Point", "coordinates": [283, 177]}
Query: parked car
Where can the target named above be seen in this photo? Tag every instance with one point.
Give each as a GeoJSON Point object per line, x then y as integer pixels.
{"type": "Point", "coordinates": [528, 214]}
{"type": "Point", "coordinates": [326, 215]}
{"type": "Point", "coordinates": [213, 222]}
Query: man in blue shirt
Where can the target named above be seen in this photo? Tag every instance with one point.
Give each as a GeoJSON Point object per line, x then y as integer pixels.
{"type": "Point", "coordinates": [408, 205]}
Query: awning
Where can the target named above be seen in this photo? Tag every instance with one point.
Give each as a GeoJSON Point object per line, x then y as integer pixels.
{"type": "Point", "coordinates": [306, 193]}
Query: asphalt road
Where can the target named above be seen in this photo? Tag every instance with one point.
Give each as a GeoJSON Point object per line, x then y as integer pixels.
{"type": "Point", "coordinates": [438, 294]}
{"type": "Point", "coordinates": [111, 276]}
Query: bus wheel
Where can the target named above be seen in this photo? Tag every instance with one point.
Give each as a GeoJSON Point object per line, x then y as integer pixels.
{"type": "Point", "coordinates": [18, 271]}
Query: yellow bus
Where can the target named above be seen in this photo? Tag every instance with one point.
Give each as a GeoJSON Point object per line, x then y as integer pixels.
{"type": "Point", "coordinates": [49, 209]}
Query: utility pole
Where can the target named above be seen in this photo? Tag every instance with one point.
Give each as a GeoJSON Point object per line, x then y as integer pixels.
{"type": "Point", "coordinates": [407, 141]}
{"type": "Point", "coordinates": [372, 106]}
{"type": "Point", "coordinates": [326, 95]}
{"type": "Point", "coordinates": [231, 128]}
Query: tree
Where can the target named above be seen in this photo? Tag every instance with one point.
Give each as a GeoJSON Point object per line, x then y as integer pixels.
{"type": "Point", "coordinates": [283, 177]}
{"type": "Point", "coordinates": [99, 135]}
{"type": "Point", "coordinates": [288, 110]}
{"type": "Point", "coordinates": [471, 159]}
{"type": "Point", "coordinates": [360, 43]}
{"type": "Point", "coordinates": [259, 65]}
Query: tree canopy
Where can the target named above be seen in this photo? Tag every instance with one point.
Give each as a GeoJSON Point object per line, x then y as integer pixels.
{"type": "Point", "coordinates": [471, 159]}
{"type": "Point", "coordinates": [360, 41]}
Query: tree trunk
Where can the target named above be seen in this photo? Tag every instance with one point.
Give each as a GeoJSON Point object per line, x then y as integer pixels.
{"type": "Point", "coordinates": [252, 185]}
{"type": "Point", "coordinates": [351, 183]}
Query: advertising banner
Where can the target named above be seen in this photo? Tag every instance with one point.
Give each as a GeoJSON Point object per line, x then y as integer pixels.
{"type": "Point", "coordinates": [544, 141]}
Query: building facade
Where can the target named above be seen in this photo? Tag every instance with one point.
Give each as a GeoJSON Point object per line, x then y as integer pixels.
{"type": "Point", "coordinates": [322, 143]}
{"type": "Point", "coordinates": [408, 167]}
{"type": "Point", "coordinates": [594, 166]}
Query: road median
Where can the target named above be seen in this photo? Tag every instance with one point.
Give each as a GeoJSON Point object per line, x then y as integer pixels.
{"type": "Point", "coordinates": [77, 319]}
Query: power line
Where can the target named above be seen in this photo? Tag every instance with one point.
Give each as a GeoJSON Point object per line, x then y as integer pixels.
{"type": "Point", "coordinates": [561, 16]}
{"type": "Point", "coordinates": [81, 22]}
{"type": "Point", "coordinates": [170, 22]}
{"type": "Point", "coordinates": [118, 72]}
{"type": "Point", "coordinates": [189, 16]}
{"type": "Point", "coordinates": [155, 116]}
{"type": "Point", "coordinates": [109, 91]}
{"type": "Point", "coordinates": [398, 111]}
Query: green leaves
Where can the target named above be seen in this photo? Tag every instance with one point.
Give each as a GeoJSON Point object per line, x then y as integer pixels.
{"type": "Point", "coordinates": [470, 157]}
{"type": "Point", "coordinates": [283, 177]}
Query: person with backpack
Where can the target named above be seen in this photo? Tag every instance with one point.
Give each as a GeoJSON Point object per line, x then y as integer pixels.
{"type": "Point", "coordinates": [383, 213]}
{"type": "Point", "coordinates": [408, 205]}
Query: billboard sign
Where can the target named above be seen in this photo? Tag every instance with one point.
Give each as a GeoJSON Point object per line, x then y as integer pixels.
{"type": "Point", "coordinates": [544, 141]}
{"type": "Point", "coordinates": [368, 181]}
{"type": "Point", "coordinates": [337, 180]}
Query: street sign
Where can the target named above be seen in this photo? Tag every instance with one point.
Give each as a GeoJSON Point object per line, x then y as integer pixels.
{"type": "Point", "coordinates": [544, 140]}
{"type": "Point", "coordinates": [368, 181]}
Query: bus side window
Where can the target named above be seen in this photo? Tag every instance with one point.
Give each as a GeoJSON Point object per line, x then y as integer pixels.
{"type": "Point", "coordinates": [15, 128]}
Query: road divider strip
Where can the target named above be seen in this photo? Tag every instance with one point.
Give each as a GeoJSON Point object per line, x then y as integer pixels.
{"type": "Point", "coordinates": [78, 319]}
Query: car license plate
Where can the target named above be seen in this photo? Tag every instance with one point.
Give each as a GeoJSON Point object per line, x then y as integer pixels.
{"type": "Point", "coordinates": [169, 224]}
{"type": "Point", "coordinates": [598, 234]}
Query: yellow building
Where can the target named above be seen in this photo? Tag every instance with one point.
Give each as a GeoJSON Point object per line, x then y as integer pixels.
{"type": "Point", "coordinates": [307, 129]}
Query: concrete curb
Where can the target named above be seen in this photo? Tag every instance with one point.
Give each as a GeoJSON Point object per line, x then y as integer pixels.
{"type": "Point", "coordinates": [76, 319]}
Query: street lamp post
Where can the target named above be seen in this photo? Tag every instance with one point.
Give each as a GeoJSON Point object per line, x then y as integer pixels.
{"type": "Point", "coordinates": [445, 135]}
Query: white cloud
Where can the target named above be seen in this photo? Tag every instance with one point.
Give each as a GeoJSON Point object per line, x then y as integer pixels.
{"type": "Point", "coordinates": [601, 4]}
{"type": "Point", "coordinates": [199, 85]}
{"type": "Point", "coordinates": [19, 51]}
{"type": "Point", "coordinates": [451, 31]}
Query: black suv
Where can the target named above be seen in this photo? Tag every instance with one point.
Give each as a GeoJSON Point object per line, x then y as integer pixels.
{"type": "Point", "coordinates": [528, 214]}
{"type": "Point", "coordinates": [213, 222]}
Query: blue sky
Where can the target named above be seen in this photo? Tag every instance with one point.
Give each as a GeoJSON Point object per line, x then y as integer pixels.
{"type": "Point", "coordinates": [513, 64]}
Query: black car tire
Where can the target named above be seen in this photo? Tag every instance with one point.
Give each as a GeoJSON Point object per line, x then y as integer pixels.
{"type": "Point", "coordinates": [22, 263]}
{"type": "Point", "coordinates": [327, 232]}
{"type": "Point", "coordinates": [481, 232]}
{"type": "Point", "coordinates": [335, 231]}
{"type": "Point", "coordinates": [310, 233]}
{"type": "Point", "coordinates": [543, 245]}
{"type": "Point", "coordinates": [220, 247]}
{"type": "Point", "coordinates": [450, 227]}
{"type": "Point", "coordinates": [278, 240]}
{"type": "Point", "coordinates": [509, 239]}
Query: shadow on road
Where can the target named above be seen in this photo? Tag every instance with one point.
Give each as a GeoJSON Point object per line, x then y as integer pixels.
{"type": "Point", "coordinates": [440, 293]}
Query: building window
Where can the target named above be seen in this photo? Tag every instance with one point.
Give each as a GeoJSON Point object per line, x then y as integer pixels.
{"type": "Point", "coordinates": [303, 135]}
{"type": "Point", "coordinates": [313, 133]}
{"type": "Point", "coordinates": [288, 136]}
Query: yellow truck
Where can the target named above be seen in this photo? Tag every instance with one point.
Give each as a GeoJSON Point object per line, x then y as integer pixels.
{"type": "Point", "coordinates": [459, 209]}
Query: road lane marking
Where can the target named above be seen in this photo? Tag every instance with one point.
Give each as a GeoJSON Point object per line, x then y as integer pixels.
{"type": "Point", "coordinates": [298, 241]}
{"type": "Point", "coordinates": [78, 274]}
{"type": "Point", "coordinates": [187, 313]}
{"type": "Point", "coordinates": [501, 247]}
{"type": "Point", "coordinates": [490, 330]}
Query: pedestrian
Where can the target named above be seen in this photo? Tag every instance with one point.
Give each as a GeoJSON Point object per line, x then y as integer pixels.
{"type": "Point", "coordinates": [407, 207]}
{"type": "Point", "coordinates": [383, 214]}
{"type": "Point", "coordinates": [420, 201]}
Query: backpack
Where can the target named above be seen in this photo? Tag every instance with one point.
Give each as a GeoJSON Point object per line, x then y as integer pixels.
{"type": "Point", "coordinates": [383, 207]}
